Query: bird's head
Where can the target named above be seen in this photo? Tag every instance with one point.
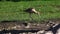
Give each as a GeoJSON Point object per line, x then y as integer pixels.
{"type": "Point", "coordinates": [38, 12]}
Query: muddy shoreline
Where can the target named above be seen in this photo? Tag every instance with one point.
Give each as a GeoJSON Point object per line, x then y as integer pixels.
{"type": "Point", "coordinates": [18, 25]}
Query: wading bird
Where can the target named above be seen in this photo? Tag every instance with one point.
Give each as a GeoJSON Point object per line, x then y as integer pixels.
{"type": "Point", "coordinates": [30, 11]}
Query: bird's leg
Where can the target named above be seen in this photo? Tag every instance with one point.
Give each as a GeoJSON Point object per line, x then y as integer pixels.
{"type": "Point", "coordinates": [30, 15]}
{"type": "Point", "coordinates": [38, 15]}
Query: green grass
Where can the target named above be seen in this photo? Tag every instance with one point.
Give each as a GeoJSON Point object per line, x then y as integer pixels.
{"type": "Point", "coordinates": [14, 10]}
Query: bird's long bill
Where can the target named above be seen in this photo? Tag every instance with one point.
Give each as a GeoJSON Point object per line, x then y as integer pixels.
{"type": "Point", "coordinates": [38, 13]}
